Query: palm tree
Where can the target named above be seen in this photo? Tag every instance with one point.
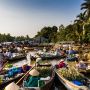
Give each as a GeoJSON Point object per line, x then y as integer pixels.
{"type": "Point", "coordinates": [86, 7]}
{"type": "Point", "coordinates": [81, 19]}
{"type": "Point", "coordinates": [78, 25]}
{"type": "Point", "coordinates": [78, 31]}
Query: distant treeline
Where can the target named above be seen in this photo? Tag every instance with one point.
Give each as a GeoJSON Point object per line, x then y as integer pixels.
{"type": "Point", "coordinates": [9, 38]}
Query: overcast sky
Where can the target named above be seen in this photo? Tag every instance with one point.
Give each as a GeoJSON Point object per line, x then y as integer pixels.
{"type": "Point", "coordinates": [22, 17]}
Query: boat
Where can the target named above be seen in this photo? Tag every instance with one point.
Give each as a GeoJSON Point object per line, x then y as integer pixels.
{"type": "Point", "coordinates": [83, 67]}
{"type": "Point", "coordinates": [52, 57]}
{"type": "Point", "coordinates": [48, 82]}
{"type": "Point", "coordinates": [16, 57]}
{"type": "Point", "coordinates": [85, 71]}
{"type": "Point", "coordinates": [6, 82]}
{"type": "Point", "coordinates": [72, 84]}
{"type": "Point", "coordinates": [11, 75]}
{"type": "Point", "coordinates": [47, 56]}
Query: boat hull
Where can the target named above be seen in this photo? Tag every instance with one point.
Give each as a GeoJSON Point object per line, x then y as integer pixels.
{"type": "Point", "coordinates": [16, 58]}
{"type": "Point", "coordinates": [15, 79]}
{"type": "Point", "coordinates": [69, 85]}
{"type": "Point", "coordinates": [47, 86]}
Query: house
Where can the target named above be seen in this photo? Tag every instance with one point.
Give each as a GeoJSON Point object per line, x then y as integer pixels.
{"type": "Point", "coordinates": [40, 39]}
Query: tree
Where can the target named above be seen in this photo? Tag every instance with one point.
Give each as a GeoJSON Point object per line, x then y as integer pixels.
{"type": "Point", "coordinates": [20, 38]}
{"type": "Point", "coordinates": [6, 38]}
{"type": "Point", "coordinates": [78, 31]}
{"type": "Point", "coordinates": [61, 27]}
{"type": "Point", "coordinates": [80, 22]}
{"type": "Point", "coordinates": [49, 33]}
{"type": "Point", "coordinates": [70, 33]}
{"type": "Point", "coordinates": [9, 37]}
{"type": "Point", "coordinates": [86, 7]}
{"type": "Point", "coordinates": [80, 18]}
{"type": "Point", "coordinates": [53, 35]}
{"type": "Point", "coordinates": [27, 37]}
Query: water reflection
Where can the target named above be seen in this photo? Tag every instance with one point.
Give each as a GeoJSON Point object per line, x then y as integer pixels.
{"type": "Point", "coordinates": [20, 63]}
{"type": "Point", "coordinates": [58, 84]}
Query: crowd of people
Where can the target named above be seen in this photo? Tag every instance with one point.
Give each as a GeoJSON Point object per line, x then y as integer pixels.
{"type": "Point", "coordinates": [9, 51]}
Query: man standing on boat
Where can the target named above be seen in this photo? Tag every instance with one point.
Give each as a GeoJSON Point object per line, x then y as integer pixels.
{"type": "Point", "coordinates": [81, 65]}
{"type": "Point", "coordinates": [28, 57]}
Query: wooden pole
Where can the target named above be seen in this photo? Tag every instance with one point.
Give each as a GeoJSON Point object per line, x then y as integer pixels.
{"type": "Point", "coordinates": [4, 65]}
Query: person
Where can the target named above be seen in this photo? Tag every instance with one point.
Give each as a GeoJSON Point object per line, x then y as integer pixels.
{"type": "Point", "coordinates": [57, 53]}
{"type": "Point", "coordinates": [8, 54]}
{"type": "Point", "coordinates": [33, 79]}
{"type": "Point", "coordinates": [17, 70]}
{"type": "Point", "coordinates": [44, 49]}
{"type": "Point", "coordinates": [25, 68]}
{"type": "Point", "coordinates": [28, 58]}
{"type": "Point", "coordinates": [12, 86]}
{"type": "Point", "coordinates": [81, 65]}
{"type": "Point", "coordinates": [61, 64]}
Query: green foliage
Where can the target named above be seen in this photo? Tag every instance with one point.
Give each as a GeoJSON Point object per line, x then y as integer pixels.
{"type": "Point", "coordinates": [20, 38]}
{"type": "Point", "coordinates": [44, 71]}
{"type": "Point", "coordinates": [9, 66]}
{"type": "Point", "coordinates": [4, 37]}
{"type": "Point", "coordinates": [70, 74]}
{"type": "Point", "coordinates": [9, 38]}
{"type": "Point", "coordinates": [86, 7]}
{"type": "Point", "coordinates": [49, 33]}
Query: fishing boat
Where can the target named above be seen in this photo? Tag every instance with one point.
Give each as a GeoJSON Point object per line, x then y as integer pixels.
{"type": "Point", "coordinates": [70, 81]}
{"type": "Point", "coordinates": [48, 81]}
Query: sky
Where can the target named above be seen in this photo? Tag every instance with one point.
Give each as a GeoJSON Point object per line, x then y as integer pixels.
{"type": "Point", "coordinates": [27, 17]}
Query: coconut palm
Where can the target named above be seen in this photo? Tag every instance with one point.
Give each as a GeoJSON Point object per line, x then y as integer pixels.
{"type": "Point", "coordinates": [78, 31]}
{"type": "Point", "coordinates": [81, 19]}
{"type": "Point", "coordinates": [86, 7]}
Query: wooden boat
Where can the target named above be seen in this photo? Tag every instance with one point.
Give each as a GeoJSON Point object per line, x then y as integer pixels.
{"type": "Point", "coordinates": [52, 57]}
{"type": "Point", "coordinates": [48, 57]}
{"type": "Point", "coordinates": [17, 57]}
{"type": "Point", "coordinates": [72, 59]}
{"type": "Point", "coordinates": [5, 79]}
{"type": "Point", "coordinates": [48, 83]}
{"type": "Point", "coordinates": [70, 85]}
{"type": "Point", "coordinates": [29, 48]}
{"type": "Point", "coordinates": [70, 75]}
{"type": "Point", "coordinates": [85, 71]}
{"type": "Point", "coordinates": [6, 82]}
{"type": "Point", "coordinates": [44, 64]}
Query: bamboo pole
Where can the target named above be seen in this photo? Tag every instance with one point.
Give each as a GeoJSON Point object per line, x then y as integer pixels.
{"type": "Point", "coordinates": [4, 65]}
